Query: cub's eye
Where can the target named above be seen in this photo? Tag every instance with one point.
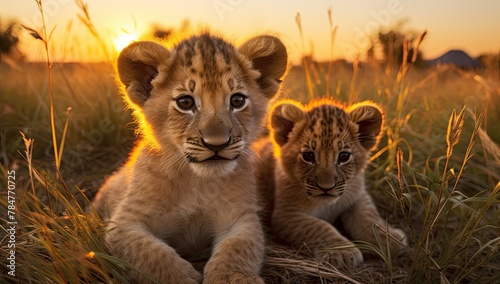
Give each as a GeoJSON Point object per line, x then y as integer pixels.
{"type": "Point", "coordinates": [308, 157]}
{"type": "Point", "coordinates": [185, 102]}
{"type": "Point", "coordinates": [343, 158]}
{"type": "Point", "coordinates": [238, 100]}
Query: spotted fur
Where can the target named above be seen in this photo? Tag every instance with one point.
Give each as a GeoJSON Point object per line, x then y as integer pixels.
{"type": "Point", "coordinates": [189, 184]}
{"type": "Point", "coordinates": [312, 174]}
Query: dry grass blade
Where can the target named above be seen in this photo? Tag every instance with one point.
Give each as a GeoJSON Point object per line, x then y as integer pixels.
{"type": "Point", "coordinates": [491, 148]}
{"type": "Point", "coordinates": [333, 32]}
{"type": "Point", "coordinates": [298, 22]}
{"type": "Point", "coordinates": [309, 268]}
{"type": "Point", "coordinates": [305, 63]}
{"type": "Point", "coordinates": [454, 130]}
{"type": "Point", "coordinates": [491, 155]}
{"type": "Point", "coordinates": [85, 18]}
{"type": "Point", "coordinates": [283, 259]}
{"type": "Point", "coordinates": [455, 127]}
{"type": "Point", "coordinates": [28, 143]}
{"type": "Point", "coordinates": [49, 69]}
{"type": "Point", "coordinates": [65, 131]}
{"type": "Point", "coordinates": [89, 24]}
{"type": "Point", "coordinates": [404, 62]}
{"type": "Point", "coordinates": [417, 46]}
{"type": "Point", "coordinates": [399, 164]}
{"type": "Point", "coordinates": [33, 33]}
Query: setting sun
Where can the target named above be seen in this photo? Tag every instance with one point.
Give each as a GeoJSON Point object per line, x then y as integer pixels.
{"type": "Point", "coordinates": [123, 40]}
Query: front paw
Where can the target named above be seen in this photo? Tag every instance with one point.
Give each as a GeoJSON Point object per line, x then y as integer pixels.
{"type": "Point", "coordinates": [341, 256]}
{"type": "Point", "coordinates": [397, 240]}
{"type": "Point", "coordinates": [232, 278]}
{"type": "Point", "coordinates": [182, 272]}
{"type": "Point", "coordinates": [193, 276]}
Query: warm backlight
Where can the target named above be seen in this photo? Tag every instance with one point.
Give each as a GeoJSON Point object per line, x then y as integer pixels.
{"type": "Point", "coordinates": [123, 40]}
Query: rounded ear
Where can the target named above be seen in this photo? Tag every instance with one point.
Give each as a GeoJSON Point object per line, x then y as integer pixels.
{"type": "Point", "coordinates": [137, 66]}
{"type": "Point", "coordinates": [369, 119]}
{"type": "Point", "coordinates": [284, 116]}
{"type": "Point", "coordinates": [268, 56]}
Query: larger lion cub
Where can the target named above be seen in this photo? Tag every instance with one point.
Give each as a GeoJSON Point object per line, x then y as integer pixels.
{"type": "Point", "coordinates": [316, 176]}
{"type": "Point", "coordinates": [189, 184]}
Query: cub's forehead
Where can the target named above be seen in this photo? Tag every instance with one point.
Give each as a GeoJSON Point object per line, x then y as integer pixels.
{"type": "Point", "coordinates": [207, 49]}
{"type": "Point", "coordinates": [327, 117]}
{"type": "Point", "coordinates": [327, 123]}
{"type": "Point", "coordinates": [210, 62]}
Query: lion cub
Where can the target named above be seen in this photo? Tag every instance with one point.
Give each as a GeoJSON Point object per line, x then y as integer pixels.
{"type": "Point", "coordinates": [312, 174]}
{"type": "Point", "coordinates": [189, 185]}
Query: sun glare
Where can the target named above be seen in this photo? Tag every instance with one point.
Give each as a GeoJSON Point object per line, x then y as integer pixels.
{"type": "Point", "coordinates": [123, 40]}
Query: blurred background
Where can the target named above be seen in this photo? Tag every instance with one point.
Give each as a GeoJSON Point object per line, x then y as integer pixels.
{"type": "Point", "coordinates": [462, 24]}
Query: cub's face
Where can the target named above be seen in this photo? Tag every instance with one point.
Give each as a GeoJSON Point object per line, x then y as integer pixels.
{"type": "Point", "coordinates": [323, 146]}
{"type": "Point", "coordinates": [203, 102]}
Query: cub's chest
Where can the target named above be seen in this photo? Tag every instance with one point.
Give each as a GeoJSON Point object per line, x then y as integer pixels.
{"type": "Point", "coordinates": [179, 213]}
{"type": "Point", "coordinates": [331, 211]}
{"type": "Point", "coordinates": [185, 230]}
{"type": "Point", "coordinates": [186, 221]}
{"type": "Point", "coordinates": [187, 213]}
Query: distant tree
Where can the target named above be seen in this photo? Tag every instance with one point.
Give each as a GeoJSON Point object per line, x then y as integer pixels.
{"type": "Point", "coordinates": [162, 33]}
{"type": "Point", "coordinates": [166, 33]}
{"type": "Point", "coordinates": [8, 40]}
{"type": "Point", "coordinates": [489, 61]}
{"type": "Point", "coordinates": [393, 44]}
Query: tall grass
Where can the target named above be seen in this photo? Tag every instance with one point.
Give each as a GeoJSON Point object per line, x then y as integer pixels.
{"type": "Point", "coordinates": [45, 38]}
{"type": "Point", "coordinates": [57, 242]}
{"type": "Point", "coordinates": [436, 174]}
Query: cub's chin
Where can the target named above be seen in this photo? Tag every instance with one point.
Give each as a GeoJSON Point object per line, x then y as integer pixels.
{"type": "Point", "coordinates": [324, 199]}
{"type": "Point", "coordinates": [214, 167]}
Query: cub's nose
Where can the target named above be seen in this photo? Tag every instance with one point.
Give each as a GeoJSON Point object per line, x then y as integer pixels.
{"type": "Point", "coordinates": [215, 147]}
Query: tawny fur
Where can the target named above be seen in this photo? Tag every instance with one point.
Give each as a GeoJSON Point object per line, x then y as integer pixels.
{"type": "Point", "coordinates": [189, 184]}
{"type": "Point", "coordinates": [304, 194]}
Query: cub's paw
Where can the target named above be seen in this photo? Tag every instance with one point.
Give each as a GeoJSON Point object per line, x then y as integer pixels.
{"type": "Point", "coordinates": [193, 277]}
{"type": "Point", "coordinates": [397, 240]}
{"type": "Point", "coordinates": [182, 272]}
{"type": "Point", "coordinates": [347, 256]}
{"type": "Point", "coordinates": [232, 278]}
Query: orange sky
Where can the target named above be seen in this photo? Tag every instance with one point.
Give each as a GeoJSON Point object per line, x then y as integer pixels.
{"type": "Point", "coordinates": [459, 24]}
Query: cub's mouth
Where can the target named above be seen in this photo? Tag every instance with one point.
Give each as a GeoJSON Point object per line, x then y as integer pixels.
{"type": "Point", "coordinates": [217, 157]}
{"type": "Point", "coordinates": [330, 194]}
{"type": "Point", "coordinates": [334, 193]}
{"type": "Point", "coordinates": [214, 158]}
{"type": "Point", "coordinates": [315, 191]}
{"type": "Point", "coordinates": [198, 152]}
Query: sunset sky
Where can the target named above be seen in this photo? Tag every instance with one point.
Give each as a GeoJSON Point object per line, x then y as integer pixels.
{"type": "Point", "coordinates": [459, 24]}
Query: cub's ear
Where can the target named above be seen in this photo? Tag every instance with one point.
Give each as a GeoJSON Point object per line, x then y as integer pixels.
{"type": "Point", "coordinates": [137, 66]}
{"type": "Point", "coordinates": [268, 56]}
{"type": "Point", "coordinates": [284, 117]}
{"type": "Point", "coordinates": [369, 119]}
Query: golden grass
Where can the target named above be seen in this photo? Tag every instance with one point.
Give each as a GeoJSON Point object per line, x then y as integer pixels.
{"type": "Point", "coordinates": [406, 193]}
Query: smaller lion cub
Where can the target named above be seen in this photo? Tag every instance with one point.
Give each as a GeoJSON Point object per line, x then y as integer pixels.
{"type": "Point", "coordinates": [312, 174]}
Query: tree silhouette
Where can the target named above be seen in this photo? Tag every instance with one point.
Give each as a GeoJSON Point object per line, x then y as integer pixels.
{"type": "Point", "coordinates": [8, 40]}
{"type": "Point", "coordinates": [394, 43]}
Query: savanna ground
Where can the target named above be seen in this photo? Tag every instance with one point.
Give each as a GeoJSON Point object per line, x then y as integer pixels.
{"type": "Point", "coordinates": [436, 174]}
